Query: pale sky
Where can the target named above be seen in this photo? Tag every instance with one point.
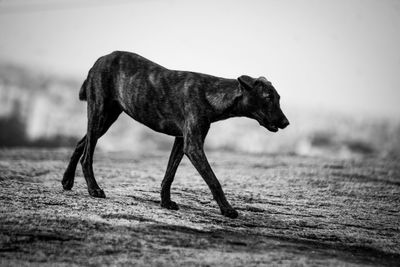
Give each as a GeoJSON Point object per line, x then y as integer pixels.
{"type": "Point", "coordinates": [340, 55]}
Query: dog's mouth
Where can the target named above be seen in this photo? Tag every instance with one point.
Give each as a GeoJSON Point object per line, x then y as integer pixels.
{"type": "Point", "coordinates": [271, 127]}
{"type": "Point", "coordinates": [265, 123]}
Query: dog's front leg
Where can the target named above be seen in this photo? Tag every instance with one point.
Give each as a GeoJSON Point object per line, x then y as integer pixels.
{"type": "Point", "coordinates": [193, 148]}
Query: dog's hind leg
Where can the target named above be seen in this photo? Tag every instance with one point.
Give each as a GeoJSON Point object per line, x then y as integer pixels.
{"type": "Point", "coordinates": [100, 118]}
{"type": "Point", "coordinates": [69, 174]}
{"type": "Point", "coordinates": [173, 163]}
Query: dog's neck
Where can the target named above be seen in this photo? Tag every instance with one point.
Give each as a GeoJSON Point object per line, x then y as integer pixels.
{"type": "Point", "coordinates": [227, 102]}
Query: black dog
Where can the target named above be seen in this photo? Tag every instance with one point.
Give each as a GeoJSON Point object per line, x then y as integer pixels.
{"type": "Point", "coordinates": [178, 103]}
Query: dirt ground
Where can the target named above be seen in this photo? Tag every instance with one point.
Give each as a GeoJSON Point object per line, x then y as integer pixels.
{"type": "Point", "coordinates": [293, 211]}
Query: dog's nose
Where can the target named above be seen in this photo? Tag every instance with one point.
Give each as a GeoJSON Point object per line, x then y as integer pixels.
{"type": "Point", "coordinates": [284, 123]}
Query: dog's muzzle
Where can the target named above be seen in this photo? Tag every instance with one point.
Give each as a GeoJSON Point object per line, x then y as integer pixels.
{"type": "Point", "coordinates": [284, 123]}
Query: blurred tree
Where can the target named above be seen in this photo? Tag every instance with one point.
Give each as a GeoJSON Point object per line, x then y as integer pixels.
{"type": "Point", "coordinates": [12, 128]}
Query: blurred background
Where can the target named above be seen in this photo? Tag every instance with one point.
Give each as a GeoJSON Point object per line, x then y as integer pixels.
{"type": "Point", "coordinates": [336, 65]}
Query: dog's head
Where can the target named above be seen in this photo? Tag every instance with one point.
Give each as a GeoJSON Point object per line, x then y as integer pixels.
{"type": "Point", "coordinates": [261, 102]}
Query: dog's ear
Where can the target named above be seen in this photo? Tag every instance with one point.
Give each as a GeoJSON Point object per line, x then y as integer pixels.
{"type": "Point", "coordinates": [246, 82]}
{"type": "Point", "coordinates": [263, 80]}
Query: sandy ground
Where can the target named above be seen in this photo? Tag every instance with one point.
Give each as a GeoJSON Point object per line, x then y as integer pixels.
{"type": "Point", "coordinates": [293, 211]}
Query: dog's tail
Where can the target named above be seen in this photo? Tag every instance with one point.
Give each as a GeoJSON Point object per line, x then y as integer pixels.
{"type": "Point", "coordinates": [82, 92]}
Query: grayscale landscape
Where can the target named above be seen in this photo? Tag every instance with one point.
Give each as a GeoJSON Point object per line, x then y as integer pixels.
{"type": "Point", "coordinates": [324, 191]}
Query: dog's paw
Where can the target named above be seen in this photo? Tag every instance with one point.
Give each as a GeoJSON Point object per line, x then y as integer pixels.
{"type": "Point", "coordinates": [67, 183]}
{"type": "Point", "coordinates": [97, 193]}
{"type": "Point", "coordinates": [171, 205]}
{"type": "Point", "coordinates": [230, 213]}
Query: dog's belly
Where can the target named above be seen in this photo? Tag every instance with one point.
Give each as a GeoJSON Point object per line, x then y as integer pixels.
{"type": "Point", "coordinates": [166, 127]}
{"type": "Point", "coordinates": [157, 123]}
